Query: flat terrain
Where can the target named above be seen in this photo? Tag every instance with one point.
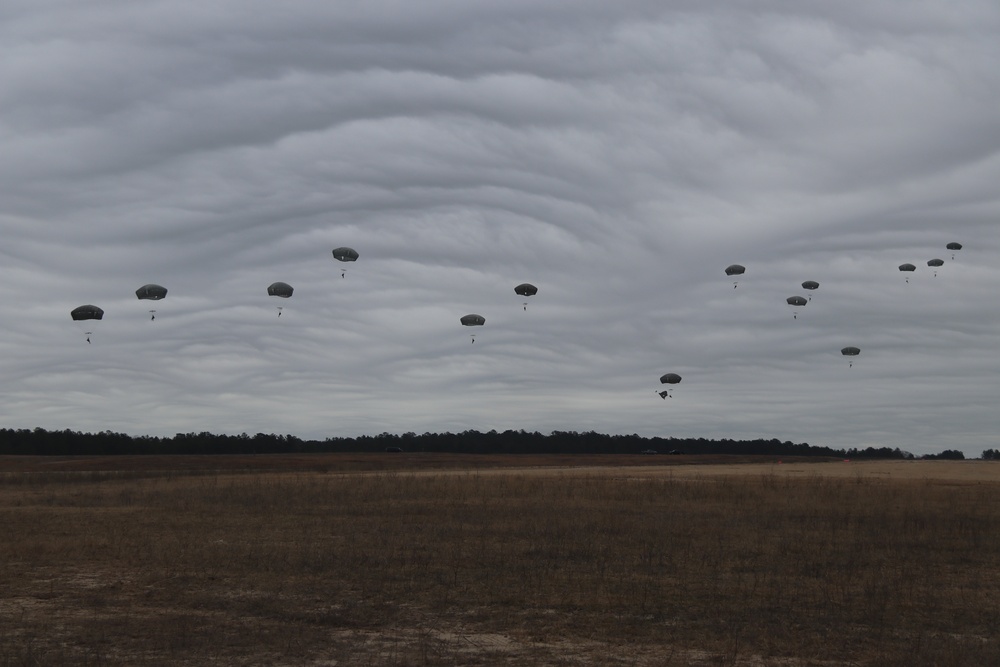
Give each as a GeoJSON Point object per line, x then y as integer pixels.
{"type": "Point", "coordinates": [438, 559]}
{"type": "Point", "coordinates": [613, 465]}
{"type": "Point", "coordinates": [931, 471]}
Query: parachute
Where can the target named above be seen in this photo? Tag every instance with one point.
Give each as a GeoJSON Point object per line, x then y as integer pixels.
{"type": "Point", "coordinates": [810, 285]}
{"type": "Point", "coordinates": [87, 312]}
{"type": "Point", "coordinates": [850, 352]}
{"type": "Point", "coordinates": [795, 302]}
{"type": "Point", "coordinates": [345, 254]}
{"type": "Point", "coordinates": [473, 320]}
{"type": "Point", "coordinates": [953, 246]}
{"type": "Point", "coordinates": [907, 268]}
{"type": "Point", "coordinates": [735, 270]}
{"type": "Point", "coordinates": [526, 290]}
{"type": "Point", "coordinates": [151, 292]}
{"type": "Point", "coordinates": [284, 290]}
{"type": "Point", "coordinates": [280, 289]}
{"type": "Point", "coordinates": [668, 379]}
{"type": "Point", "coordinates": [935, 263]}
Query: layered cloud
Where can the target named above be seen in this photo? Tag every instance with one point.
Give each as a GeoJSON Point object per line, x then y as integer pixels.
{"type": "Point", "coordinates": [617, 155]}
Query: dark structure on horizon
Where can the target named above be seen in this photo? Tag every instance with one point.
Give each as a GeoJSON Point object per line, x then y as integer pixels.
{"type": "Point", "coordinates": [41, 442]}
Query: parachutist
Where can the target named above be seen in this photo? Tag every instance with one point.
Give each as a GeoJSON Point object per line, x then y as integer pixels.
{"type": "Point", "coordinates": [735, 270]}
{"type": "Point", "coordinates": [281, 290]}
{"type": "Point", "coordinates": [88, 339]}
{"type": "Point", "coordinates": [345, 254]}
{"type": "Point", "coordinates": [525, 290]}
{"type": "Point", "coordinates": [797, 302]}
{"type": "Point", "coordinates": [472, 320]}
{"type": "Point", "coordinates": [671, 379]}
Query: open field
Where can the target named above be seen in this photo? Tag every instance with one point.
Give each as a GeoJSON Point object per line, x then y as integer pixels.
{"type": "Point", "coordinates": [628, 465]}
{"type": "Point", "coordinates": [433, 559]}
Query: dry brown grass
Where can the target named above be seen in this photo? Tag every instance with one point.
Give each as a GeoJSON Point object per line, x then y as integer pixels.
{"type": "Point", "coordinates": [599, 566]}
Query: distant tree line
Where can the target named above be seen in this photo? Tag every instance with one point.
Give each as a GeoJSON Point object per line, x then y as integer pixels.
{"type": "Point", "coordinates": [39, 441]}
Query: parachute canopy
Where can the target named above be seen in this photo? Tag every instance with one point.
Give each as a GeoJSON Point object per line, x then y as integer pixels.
{"type": "Point", "coordinates": [907, 267]}
{"type": "Point", "coordinates": [87, 312]}
{"type": "Point", "coordinates": [935, 262]}
{"type": "Point", "coordinates": [810, 284]}
{"type": "Point", "coordinates": [284, 290]}
{"type": "Point", "coordinates": [670, 378]}
{"type": "Point", "coordinates": [850, 351]}
{"type": "Point", "coordinates": [345, 254]}
{"type": "Point", "coordinates": [796, 301]}
{"type": "Point", "coordinates": [526, 289]}
{"type": "Point", "coordinates": [152, 292]}
{"type": "Point", "coordinates": [473, 320]}
{"type": "Point", "coordinates": [954, 245]}
{"type": "Point", "coordinates": [735, 270]}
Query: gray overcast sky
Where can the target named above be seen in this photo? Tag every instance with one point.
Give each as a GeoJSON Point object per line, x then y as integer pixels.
{"type": "Point", "coordinates": [618, 155]}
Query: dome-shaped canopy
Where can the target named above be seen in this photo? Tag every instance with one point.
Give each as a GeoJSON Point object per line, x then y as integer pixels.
{"type": "Point", "coordinates": [152, 292]}
{"type": "Point", "coordinates": [87, 312]}
{"type": "Point", "coordinates": [284, 290]}
{"type": "Point", "coordinates": [473, 320]}
{"type": "Point", "coordinates": [345, 254]}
